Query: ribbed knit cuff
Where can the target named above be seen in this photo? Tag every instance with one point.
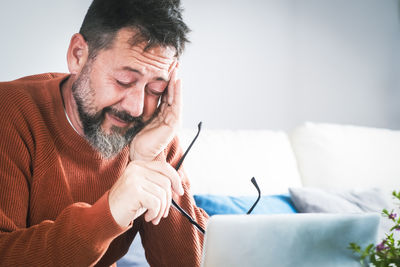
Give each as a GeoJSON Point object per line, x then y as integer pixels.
{"type": "Point", "coordinates": [104, 224]}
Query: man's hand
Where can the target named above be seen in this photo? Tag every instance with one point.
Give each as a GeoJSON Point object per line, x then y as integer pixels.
{"type": "Point", "coordinates": [156, 136]}
{"type": "Point", "coordinates": [144, 186]}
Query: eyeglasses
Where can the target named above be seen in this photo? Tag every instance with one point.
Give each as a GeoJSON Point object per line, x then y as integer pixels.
{"type": "Point", "coordinates": [182, 211]}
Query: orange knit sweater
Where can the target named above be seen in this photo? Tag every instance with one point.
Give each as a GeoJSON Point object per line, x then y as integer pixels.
{"type": "Point", "coordinates": [54, 191]}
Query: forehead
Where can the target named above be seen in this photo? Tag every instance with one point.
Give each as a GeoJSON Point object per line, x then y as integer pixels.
{"type": "Point", "coordinates": [155, 59]}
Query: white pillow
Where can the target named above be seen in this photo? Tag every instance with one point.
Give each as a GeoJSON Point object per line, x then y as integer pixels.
{"type": "Point", "coordinates": [223, 162]}
{"type": "Point", "coordinates": [340, 156]}
{"type": "Point", "coordinates": [314, 200]}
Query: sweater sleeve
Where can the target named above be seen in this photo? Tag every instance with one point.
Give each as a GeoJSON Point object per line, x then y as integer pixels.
{"type": "Point", "coordinates": [175, 241]}
{"type": "Point", "coordinates": [80, 234]}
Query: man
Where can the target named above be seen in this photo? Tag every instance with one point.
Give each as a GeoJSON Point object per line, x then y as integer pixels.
{"type": "Point", "coordinates": [87, 159]}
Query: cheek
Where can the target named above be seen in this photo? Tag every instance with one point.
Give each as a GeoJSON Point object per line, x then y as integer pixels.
{"type": "Point", "coordinates": [106, 95]}
{"type": "Point", "coordinates": [105, 92]}
{"type": "Point", "coordinates": [106, 100]}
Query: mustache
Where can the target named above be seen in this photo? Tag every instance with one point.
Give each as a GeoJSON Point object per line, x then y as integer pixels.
{"type": "Point", "coordinates": [122, 115]}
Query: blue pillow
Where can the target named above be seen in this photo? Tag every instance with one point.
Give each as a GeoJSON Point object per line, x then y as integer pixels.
{"type": "Point", "coordinates": [217, 204]}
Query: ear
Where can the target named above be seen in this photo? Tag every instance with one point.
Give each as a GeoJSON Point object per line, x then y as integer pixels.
{"type": "Point", "coordinates": [78, 52]}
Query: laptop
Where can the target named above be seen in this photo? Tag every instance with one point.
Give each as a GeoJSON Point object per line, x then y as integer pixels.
{"type": "Point", "coordinates": [312, 239]}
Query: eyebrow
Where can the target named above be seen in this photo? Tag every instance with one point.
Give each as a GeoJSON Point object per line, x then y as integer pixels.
{"type": "Point", "coordinates": [127, 68]}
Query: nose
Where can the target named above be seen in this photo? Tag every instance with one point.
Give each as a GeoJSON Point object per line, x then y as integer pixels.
{"type": "Point", "coordinates": [133, 101]}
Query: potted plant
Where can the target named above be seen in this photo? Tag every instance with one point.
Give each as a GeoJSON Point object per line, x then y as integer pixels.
{"type": "Point", "coordinates": [387, 252]}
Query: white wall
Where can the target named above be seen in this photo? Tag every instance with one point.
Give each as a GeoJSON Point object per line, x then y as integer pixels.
{"type": "Point", "coordinates": [277, 63]}
{"type": "Point", "coordinates": [251, 64]}
{"type": "Point", "coordinates": [34, 35]}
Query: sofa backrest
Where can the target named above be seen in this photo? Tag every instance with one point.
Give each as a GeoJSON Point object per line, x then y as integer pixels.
{"type": "Point", "coordinates": [341, 156]}
{"type": "Point", "coordinates": [223, 162]}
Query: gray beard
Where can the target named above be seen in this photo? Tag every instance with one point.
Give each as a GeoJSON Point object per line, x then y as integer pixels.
{"type": "Point", "coordinates": [109, 145]}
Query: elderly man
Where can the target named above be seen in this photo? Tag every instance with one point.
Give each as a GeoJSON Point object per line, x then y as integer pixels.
{"type": "Point", "coordinates": [87, 159]}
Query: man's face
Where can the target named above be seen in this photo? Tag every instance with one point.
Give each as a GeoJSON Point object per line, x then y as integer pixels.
{"type": "Point", "coordinates": [118, 91]}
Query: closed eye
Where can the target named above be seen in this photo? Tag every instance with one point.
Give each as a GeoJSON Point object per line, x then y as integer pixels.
{"type": "Point", "coordinates": [157, 88]}
{"type": "Point", "coordinates": [124, 84]}
{"type": "Point", "coordinates": [153, 92]}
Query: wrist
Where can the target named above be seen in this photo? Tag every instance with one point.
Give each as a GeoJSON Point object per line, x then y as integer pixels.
{"type": "Point", "coordinates": [136, 156]}
{"type": "Point", "coordinates": [120, 215]}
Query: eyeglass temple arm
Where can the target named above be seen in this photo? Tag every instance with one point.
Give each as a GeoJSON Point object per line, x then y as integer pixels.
{"type": "Point", "coordinates": [183, 212]}
{"type": "Point", "coordinates": [177, 168]}
{"type": "Point", "coordinates": [253, 180]}
{"type": "Point", "coordinates": [190, 146]}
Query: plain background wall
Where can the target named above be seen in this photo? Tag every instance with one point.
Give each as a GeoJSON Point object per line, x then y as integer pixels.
{"type": "Point", "coordinates": [251, 64]}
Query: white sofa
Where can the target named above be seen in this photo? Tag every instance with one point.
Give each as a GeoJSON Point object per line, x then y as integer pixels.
{"type": "Point", "coordinates": [321, 156]}
{"type": "Point", "coordinates": [325, 156]}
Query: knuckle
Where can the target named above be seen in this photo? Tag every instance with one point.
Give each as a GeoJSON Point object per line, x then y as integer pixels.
{"type": "Point", "coordinates": [166, 183]}
{"type": "Point", "coordinates": [164, 165]}
{"type": "Point", "coordinates": [159, 191]}
{"type": "Point", "coordinates": [169, 193]}
{"type": "Point", "coordinates": [151, 215]}
{"type": "Point", "coordinates": [156, 203]}
{"type": "Point", "coordinates": [162, 195]}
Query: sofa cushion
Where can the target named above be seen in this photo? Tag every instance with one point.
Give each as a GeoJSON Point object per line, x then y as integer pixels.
{"type": "Point", "coordinates": [315, 200]}
{"type": "Point", "coordinates": [222, 162]}
{"type": "Point", "coordinates": [308, 199]}
{"type": "Point", "coordinates": [340, 156]}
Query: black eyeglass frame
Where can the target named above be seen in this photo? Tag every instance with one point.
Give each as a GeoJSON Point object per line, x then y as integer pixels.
{"type": "Point", "coordinates": [182, 211]}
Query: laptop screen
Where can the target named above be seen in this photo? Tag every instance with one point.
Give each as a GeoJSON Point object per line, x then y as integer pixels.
{"type": "Point", "coordinates": [287, 239]}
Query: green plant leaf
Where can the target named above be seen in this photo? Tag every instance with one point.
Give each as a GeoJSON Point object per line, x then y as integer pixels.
{"type": "Point", "coordinates": [388, 254]}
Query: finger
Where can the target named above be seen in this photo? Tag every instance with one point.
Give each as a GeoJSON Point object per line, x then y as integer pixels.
{"type": "Point", "coordinates": [139, 212]}
{"type": "Point", "coordinates": [153, 183]}
{"type": "Point", "coordinates": [151, 203]}
{"type": "Point", "coordinates": [159, 208]}
{"type": "Point", "coordinates": [168, 171]}
{"type": "Point", "coordinates": [164, 183]}
{"type": "Point", "coordinates": [173, 65]}
{"type": "Point", "coordinates": [169, 206]}
{"type": "Point", "coordinates": [172, 113]}
{"type": "Point", "coordinates": [168, 201]}
{"type": "Point", "coordinates": [161, 195]}
{"type": "Point", "coordinates": [171, 86]}
{"type": "Point", "coordinates": [164, 105]}
{"type": "Point", "coordinates": [177, 103]}
{"type": "Point", "coordinates": [164, 99]}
